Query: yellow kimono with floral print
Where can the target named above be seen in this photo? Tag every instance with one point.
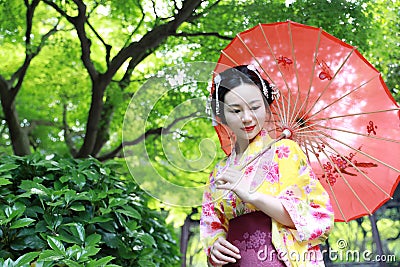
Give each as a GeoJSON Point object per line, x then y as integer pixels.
{"type": "Point", "coordinates": [283, 172]}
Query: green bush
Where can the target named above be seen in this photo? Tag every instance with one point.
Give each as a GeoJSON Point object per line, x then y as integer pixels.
{"type": "Point", "coordinates": [69, 212]}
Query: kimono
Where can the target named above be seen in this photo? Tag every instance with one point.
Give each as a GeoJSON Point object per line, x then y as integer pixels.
{"type": "Point", "coordinates": [284, 172]}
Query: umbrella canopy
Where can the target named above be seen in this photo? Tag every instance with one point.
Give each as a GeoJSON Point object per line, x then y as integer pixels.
{"type": "Point", "coordinates": [336, 106]}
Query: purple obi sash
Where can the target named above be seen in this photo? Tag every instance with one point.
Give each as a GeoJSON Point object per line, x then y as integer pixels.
{"type": "Point", "coordinates": [251, 233]}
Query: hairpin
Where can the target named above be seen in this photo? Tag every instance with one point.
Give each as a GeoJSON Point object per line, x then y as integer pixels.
{"type": "Point", "coordinates": [217, 81]}
{"type": "Point", "coordinates": [209, 111]}
{"type": "Point", "coordinates": [264, 87]}
{"type": "Point", "coordinates": [275, 94]}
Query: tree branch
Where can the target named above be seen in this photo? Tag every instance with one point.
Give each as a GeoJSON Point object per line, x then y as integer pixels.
{"type": "Point", "coordinates": [151, 40]}
{"type": "Point", "coordinates": [107, 46]}
{"type": "Point", "coordinates": [79, 24]}
{"type": "Point", "coordinates": [137, 26]}
{"type": "Point", "coordinates": [205, 10]}
{"type": "Point", "coordinates": [30, 54]}
{"type": "Point", "coordinates": [147, 134]}
{"type": "Point", "coordinates": [20, 73]}
{"type": "Point", "coordinates": [216, 34]}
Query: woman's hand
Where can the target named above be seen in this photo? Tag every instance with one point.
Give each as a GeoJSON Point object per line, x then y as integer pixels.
{"type": "Point", "coordinates": [232, 179]}
{"type": "Point", "coordinates": [223, 252]}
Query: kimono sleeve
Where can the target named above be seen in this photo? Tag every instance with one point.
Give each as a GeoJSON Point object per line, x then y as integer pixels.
{"type": "Point", "coordinates": [213, 222]}
{"type": "Point", "coordinates": [303, 196]}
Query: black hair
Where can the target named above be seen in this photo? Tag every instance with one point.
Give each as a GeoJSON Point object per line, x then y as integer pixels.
{"type": "Point", "coordinates": [235, 77]}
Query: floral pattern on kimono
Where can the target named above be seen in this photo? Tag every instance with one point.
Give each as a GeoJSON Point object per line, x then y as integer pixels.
{"type": "Point", "coordinates": [285, 174]}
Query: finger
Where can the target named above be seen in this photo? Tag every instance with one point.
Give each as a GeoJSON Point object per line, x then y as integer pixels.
{"type": "Point", "coordinates": [225, 186]}
{"type": "Point", "coordinates": [226, 253]}
{"type": "Point", "coordinates": [217, 261]}
{"type": "Point", "coordinates": [220, 181]}
{"type": "Point", "coordinates": [224, 178]}
{"type": "Point", "coordinates": [223, 256]}
{"type": "Point", "coordinates": [229, 245]}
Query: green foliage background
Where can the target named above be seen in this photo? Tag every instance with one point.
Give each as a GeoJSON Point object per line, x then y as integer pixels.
{"type": "Point", "coordinates": [66, 212]}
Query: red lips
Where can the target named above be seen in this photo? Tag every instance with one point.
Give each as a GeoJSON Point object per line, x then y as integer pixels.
{"type": "Point", "coordinates": [249, 128]}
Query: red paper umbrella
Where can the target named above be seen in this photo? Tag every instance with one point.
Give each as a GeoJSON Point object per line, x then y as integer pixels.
{"type": "Point", "coordinates": [336, 106]}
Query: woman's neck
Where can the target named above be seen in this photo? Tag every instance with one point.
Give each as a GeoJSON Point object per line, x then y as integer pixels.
{"type": "Point", "coordinates": [241, 146]}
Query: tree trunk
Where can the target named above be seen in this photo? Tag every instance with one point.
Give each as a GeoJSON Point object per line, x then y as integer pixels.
{"type": "Point", "coordinates": [19, 137]}
{"type": "Point", "coordinates": [103, 134]}
{"type": "Point", "coordinates": [94, 118]}
{"type": "Point", "coordinates": [186, 234]}
{"type": "Point", "coordinates": [377, 239]}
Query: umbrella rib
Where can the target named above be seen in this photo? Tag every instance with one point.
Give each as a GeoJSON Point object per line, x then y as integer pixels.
{"type": "Point", "coordinates": [344, 179]}
{"type": "Point", "coordinates": [330, 187]}
{"type": "Point", "coordinates": [340, 116]}
{"type": "Point", "coordinates": [340, 98]}
{"type": "Point", "coordinates": [357, 114]}
{"type": "Point", "coordinates": [259, 64]}
{"type": "Point", "coordinates": [231, 59]}
{"type": "Point", "coordinates": [252, 54]}
{"type": "Point", "coordinates": [361, 134]}
{"type": "Point", "coordinates": [305, 102]}
{"type": "Point", "coordinates": [281, 116]}
{"type": "Point", "coordinates": [329, 83]}
{"type": "Point", "coordinates": [361, 152]}
{"type": "Point", "coordinates": [278, 113]}
{"type": "Point", "coordinates": [289, 121]}
{"type": "Point", "coordinates": [279, 68]}
{"type": "Point", "coordinates": [360, 171]}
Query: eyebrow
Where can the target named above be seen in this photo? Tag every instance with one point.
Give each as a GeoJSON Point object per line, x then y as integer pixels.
{"type": "Point", "coordinates": [251, 102]}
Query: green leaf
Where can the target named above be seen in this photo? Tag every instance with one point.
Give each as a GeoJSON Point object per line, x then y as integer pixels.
{"type": "Point", "coordinates": [146, 263]}
{"type": "Point", "coordinates": [91, 251]}
{"type": "Point", "coordinates": [105, 171]}
{"type": "Point", "coordinates": [79, 179]}
{"type": "Point", "coordinates": [8, 167]}
{"type": "Point", "coordinates": [15, 211]}
{"type": "Point", "coordinates": [78, 207]}
{"type": "Point", "coordinates": [147, 239]}
{"type": "Point", "coordinates": [92, 240]}
{"type": "Point", "coordinates": [117, 202]}
{"type": "Point", "coordinates": [100, 262]}
{"type": "Point", "coordinates": [34, 188]}
{"type": "Point", "coordinates": [4, 181]}
{"type": "Point", "coordinates": [26, 259]}
{"type": "Point", "coordinates": [101, 219]}
{"type": "Point", "coordinates": [50, 255]}
{"type": "Point", "coordinates": [56, 245]}
{"type": "Point", "coordinates": [72, 263]}
{"type": "Point", "coordinates": [131, 212]}
{"type": "Point", "coordinates": [21, 223]}
{"type": "Point", "coordinates": [78, 230]}
{"type": "Point", "coordinates": [32, 241]}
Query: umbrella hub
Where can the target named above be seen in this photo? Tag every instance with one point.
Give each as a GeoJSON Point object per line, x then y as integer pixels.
{"type": "Point", "coordinates": [289, 131]}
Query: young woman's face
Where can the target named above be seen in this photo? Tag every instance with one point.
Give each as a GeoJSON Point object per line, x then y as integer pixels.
{"type": "Point", "coordinates": [244, 111]}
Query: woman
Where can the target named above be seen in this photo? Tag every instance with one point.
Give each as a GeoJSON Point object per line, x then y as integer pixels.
{"type": "Point", "coordinates": [267, 210]}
